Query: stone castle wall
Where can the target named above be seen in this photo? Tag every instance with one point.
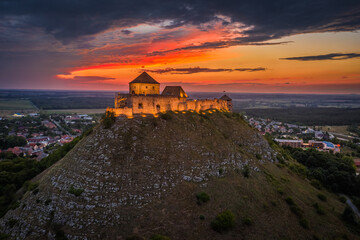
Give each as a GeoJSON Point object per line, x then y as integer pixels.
{"type": "Point", "coordinates": [129, 105]}
{"type": "Point", "coordinates": [144, 88]}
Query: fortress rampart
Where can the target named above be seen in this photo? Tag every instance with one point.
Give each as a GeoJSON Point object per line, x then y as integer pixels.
{"type": "Point", "coordinates": [173, 98]}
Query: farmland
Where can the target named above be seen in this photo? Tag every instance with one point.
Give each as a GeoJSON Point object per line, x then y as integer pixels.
{"type": "Point", "coordinates": [16, 104]}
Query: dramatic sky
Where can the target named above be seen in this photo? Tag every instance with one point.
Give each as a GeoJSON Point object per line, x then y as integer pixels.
{"type": "Point", "coordinates": [303, 46]}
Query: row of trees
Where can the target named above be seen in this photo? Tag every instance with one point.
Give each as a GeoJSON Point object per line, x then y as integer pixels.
{"type": "Point", "coordinates": [310, 116]}
{"type": "Point", "coordinates": [12, 141]}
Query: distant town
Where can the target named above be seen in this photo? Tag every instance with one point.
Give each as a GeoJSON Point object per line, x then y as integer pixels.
{"type": "Point", "coordinates": [297, 136]}
{"type": "Point", "coordinates": [291, 134]}
{"type": "Point", "coordinates": [36, 135]}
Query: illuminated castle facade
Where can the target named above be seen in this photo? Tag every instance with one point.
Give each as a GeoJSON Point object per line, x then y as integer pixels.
{"type": "Point", "coordinates": [144, 98]}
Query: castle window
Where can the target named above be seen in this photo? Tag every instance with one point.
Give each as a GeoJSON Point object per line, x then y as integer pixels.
{"type": "Point", "coordinates": [140, 106]}
{"type": "Point", "coordinates": [153, 88]}
{"type": "Point", "coordinates": [145, 86]}
{"type": "Point", "coordinates": [158, 107]}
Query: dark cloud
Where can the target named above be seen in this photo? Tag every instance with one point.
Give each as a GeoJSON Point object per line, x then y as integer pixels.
{"type": "Point", "coordinates": [40, 38]}
{"type": "Point", "coordinates": [126, 32]}
{"type": "Point", "coordinates": [214, 45]}
{"type": "Point", "coordinates": [250, 69]}
{"type": "Point", "coordinates": [193, 70]}
{"type": "Point", "coordinates": [67, 20]}
{"type": "Point", "coordinates": [330, 56]}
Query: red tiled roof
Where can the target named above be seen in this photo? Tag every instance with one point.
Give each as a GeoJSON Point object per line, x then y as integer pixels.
{"type": "Point", "coordinates": [144, 78]}
{"type": "Point", "coordinates": [175, 91]}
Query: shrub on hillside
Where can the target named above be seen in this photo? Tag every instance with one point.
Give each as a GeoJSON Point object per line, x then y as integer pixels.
{"type": "Point", "coordinates": [342, 199]}
{"type": "Point", "coordinates": [35, 191]}
{"type": "Point", "coordinates": [202, 197]}
{"type": "Point", "coordinates": [32, 186]}
{"type": "Point", "coordinates": [322, 197]}
{"type": "Point", "coordinates": [224, 221]}
{"type": "Point", "coordinates": [109, 119]}
{"type": "Point", "coordinates": [316, 184]}
{"type": "Point", "coordinates": [48, 201]}
{"type": "Point", "coordinates": [166, 116]}
{"type": "Point", "coordinates": [304, 223]}
{"type": "Point", "coordinates": [298, 169]}
{"type": "Point", "coordinates": [135, 237]}
{"type": "Point", "coordinates": [293, 207]}
{"type": "Point", "coordinates": [88, 132]}
{"type": "Point", "coordinates": [76, 191]}
{"type": "Point", "coordinates": [246, 171]}
{"type": "Point", "coordinates": [247, 221]}
{"type": "Point", "coordinates": [349, 216]}
{"type": "Point", "coordinates": [289, 201]}
{"type": "Point", "coordinates": [280, 190]}
{"type": "Point", "coordinates": [59, 232]}
{"type": "Point", "coordinates": [318, 209]}
{"type": "Point", "coordinates": [296, 210]}
{"type": "Point", "coordinates": [159, 237]}
{"type": "Point", "coordinates": [11, 222]}
{"type": "Point", "coordinates": [280, 158]}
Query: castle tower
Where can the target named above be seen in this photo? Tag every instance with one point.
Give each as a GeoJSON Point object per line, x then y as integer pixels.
{"type": "Point", "coordinates": [144, 84]}
{"type": "Point", "coordinates": [228, 100]}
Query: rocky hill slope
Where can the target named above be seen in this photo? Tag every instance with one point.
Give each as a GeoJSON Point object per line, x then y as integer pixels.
{"type": "Point", "coordinates": [141, 176]}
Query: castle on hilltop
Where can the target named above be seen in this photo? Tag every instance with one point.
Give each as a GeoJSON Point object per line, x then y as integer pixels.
{"type": "Point", "coordinates": [144, 98]}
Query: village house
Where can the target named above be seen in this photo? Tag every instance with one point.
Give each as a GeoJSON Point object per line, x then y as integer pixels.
{"type": "Point", "coordinates": [290, 142]}
{"type": "Point", "coordinates": [66, 139]}
{"type": "Point", "coordinates": [357, 165]}
{"type": "Point", "coordinates": [48, 124]}
{"type": "Point", "coordinates": [43, 139]}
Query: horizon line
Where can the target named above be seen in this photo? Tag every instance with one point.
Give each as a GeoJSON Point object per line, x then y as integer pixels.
{"type": "Point", "coordinates": [225, 92]}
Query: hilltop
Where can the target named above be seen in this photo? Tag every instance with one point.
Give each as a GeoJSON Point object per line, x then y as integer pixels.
{"type": "Point", "coordinates": [143, 176]}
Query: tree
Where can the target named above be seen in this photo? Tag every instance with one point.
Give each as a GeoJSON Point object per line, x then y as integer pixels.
{"type": "Point", "coordinates": [109, 119]}
{"type": "Point", "coordinates": [12, 141]}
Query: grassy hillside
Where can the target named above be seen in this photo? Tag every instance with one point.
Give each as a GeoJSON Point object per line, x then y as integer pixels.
{"type": "Point", "coordinates": [144, 176]}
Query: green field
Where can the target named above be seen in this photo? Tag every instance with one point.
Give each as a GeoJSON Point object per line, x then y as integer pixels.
{"type": "Point", "coordinates": [16, 104]}
{"type": "Point", "coordinates": [309, 116]}
{"type": "Point", "coordinates": [76, 111]}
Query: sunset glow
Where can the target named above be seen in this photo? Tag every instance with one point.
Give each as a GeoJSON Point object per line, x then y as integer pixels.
{"type": "Point", "coordinates": [221, 53]}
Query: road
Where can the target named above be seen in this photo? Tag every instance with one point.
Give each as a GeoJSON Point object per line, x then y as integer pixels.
{"type": "Point", "coordinates": [59, 126]}
{"type": "Point", "coordinates": [343, 136]}
{"type": "Point", "coordinates": [353, 207]}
